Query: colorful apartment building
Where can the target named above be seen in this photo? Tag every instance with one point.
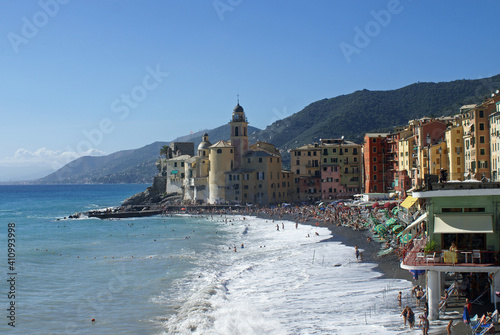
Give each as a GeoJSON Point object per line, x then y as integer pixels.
{"type": "Point", "coordinates": [330, 169]}
{"type": "Point", "coordinates": [494, 121]}
{"type": "Point", "coordinates": [454, 138]}
{"type": "Point", "coordinates": [376, 167]}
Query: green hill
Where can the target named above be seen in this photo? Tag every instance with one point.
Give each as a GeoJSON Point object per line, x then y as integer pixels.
{"type": "Point", "coordinates": [354, 114]}
{"type": "Point", "coordinates": [350, 115]}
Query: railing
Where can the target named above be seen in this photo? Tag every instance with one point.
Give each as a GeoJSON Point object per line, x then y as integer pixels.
{"type": "Point", "coordinates": [416, 256]}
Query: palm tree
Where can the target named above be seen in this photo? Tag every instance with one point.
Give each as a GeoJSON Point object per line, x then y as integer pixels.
{"type": "Point", "coordinates": [164, 150]}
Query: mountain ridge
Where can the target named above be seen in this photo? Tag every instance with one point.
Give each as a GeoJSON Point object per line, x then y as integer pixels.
{"type": "Point", "coordinates": [349, 115]}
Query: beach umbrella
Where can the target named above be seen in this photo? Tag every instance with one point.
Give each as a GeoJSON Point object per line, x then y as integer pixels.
{"type": "Point", "coordinates": [381, 229]}
{"type": "Point", "coordinates": [405, 238]}
{"type": "Point", "coordinates": [397, 228]}
{"type": "Point", "coordinates": [395, 210]}
{"type": "Point", "coordinates": [390, 222]}
{"type": "Point", "coordinates": [400, 234]}
{"type": "Point", "coordinates": [375, 205]}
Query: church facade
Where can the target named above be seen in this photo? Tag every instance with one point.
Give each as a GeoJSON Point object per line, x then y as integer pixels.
{"type": "Point", "coordinates": [230, 172]}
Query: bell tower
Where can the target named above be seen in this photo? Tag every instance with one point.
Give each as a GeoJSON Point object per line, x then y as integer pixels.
{"type": "Point", "coordinates": [239, 136]}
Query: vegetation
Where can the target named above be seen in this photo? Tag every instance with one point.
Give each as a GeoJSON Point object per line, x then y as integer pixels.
{"type": "Point", "coordinates": [350, 115]}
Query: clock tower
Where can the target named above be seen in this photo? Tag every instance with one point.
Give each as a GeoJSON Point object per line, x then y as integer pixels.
{"type": "Point", "coordinates": [239, 136]}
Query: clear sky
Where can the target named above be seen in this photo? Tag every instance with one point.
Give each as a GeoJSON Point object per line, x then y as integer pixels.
{"type": "Point", "coordinates": [94, 77]}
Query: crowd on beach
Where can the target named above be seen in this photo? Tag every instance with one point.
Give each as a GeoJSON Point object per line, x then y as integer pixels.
{"type": "Point", "coordinates": [361, 219]}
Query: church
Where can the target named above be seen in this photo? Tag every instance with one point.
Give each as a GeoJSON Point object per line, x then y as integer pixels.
{"type": "Point", "coordinates": [233, 172]}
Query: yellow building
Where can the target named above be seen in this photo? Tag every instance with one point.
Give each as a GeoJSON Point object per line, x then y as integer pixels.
{"type": "Point", "coordinates": [232, 171]}
{"type": "Point", "coordinates": [455, 147]}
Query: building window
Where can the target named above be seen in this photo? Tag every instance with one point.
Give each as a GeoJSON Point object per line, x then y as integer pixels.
{"type": "Point", "coordinates": [325, 152]}
{"type": "Point", "coordinates": [375, 149]}
{"type": "Point", "coordinates": [298, 171]}
{"type": "Point", "coordinates": [260, 160]}
{"type": "Point", "coordinates": [374, 168]}
{"type": "Point", "coordinates": [481, 113]}
{"type": "Point", "coordinates": [481, 139]}
{"type": "Point", "coordinates": [481, 126]}
{"type": "Point", "coordinates": [219, 151]}
{"type": "Point", "coordinates": [374, 159]}
{"type": "Point", "coordinates": [175, 164]}
{"type": "Point", "coordinates": [182, 164]}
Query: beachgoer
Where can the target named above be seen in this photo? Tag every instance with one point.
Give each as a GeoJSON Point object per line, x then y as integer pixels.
{"type": "Point", "coordinates": [419, 295]}
{"type": "Point", "coordinates": [399, 299]}
{"type": "Point", "coordinates": [453, 247]}
{"type": "Point", "coordinates": [466, 314]}
{"type": "Point", "coordinates": [444, 299]}
{"type": "Point", "coordinates": [414, 290]}
{"type": "Point", "coordinates": [277, 227]}
{"type": "Point", "coordinates": [449, 327]}
{"type": "Point", "coordinates": [356, 250]}
{"type": "Point", "coordinates": [404, 314]}
{"type": "Point", "coordinates": [424, 323]}
{"type": "Point", "coordinates": [411, 318]}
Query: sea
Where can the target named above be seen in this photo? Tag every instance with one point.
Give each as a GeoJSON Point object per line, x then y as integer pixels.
{"type": "Point", "coordinates": [179, 274]}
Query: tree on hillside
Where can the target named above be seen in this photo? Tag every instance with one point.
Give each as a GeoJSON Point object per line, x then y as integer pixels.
{"type": "Point", "coordinates": [164, 150]}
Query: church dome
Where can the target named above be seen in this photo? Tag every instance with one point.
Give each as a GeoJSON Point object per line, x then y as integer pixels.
{"type": "Point", "coordinates": [205, 143]}
{"type": "Point", "coordinates": [238, 109]}
{"type": "Point", "coordinates": [238, 114]}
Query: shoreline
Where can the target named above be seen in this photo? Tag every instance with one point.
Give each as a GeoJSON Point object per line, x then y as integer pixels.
{"type": "Point", "coordinates": [387, 265]}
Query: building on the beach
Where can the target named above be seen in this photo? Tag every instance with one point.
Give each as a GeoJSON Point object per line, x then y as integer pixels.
{"type": "Point", "coordinates": [494, 121]}
{"type": "Point", "coordinates": [467, 215]}
{"type": "Point", "coordinates": [454, 137]}
{"type": "Point", "coordinates": [233, 171]}
{"type": "Point", "coordinates": [375, 154]}
{"type": "Point", "coordinates": [327, 170]}
{"type": "Point", "coordinates": [477, 137]}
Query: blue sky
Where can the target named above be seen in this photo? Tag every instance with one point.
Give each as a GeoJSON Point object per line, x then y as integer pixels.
{"type": "Point", "coordinates": [95, 77]}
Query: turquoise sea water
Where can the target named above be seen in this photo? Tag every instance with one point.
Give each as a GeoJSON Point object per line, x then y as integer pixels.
{"type": "Point", "coordinates": [72, 271]}
{"type": "Point", "coordinates": [177, 274]}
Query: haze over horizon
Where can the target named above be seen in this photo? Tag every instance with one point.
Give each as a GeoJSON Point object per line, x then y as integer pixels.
{"type": "Point", "coordinates": [97, 77]}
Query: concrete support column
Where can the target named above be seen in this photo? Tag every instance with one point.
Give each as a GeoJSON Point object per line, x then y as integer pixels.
{"type": "Point", "coordinates": [433, 294]}
{"type": "Point", "coordinates": [495, 287]}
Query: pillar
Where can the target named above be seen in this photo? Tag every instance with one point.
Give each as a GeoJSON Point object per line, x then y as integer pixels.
{"type": "Point", "coordinates": [433, 294]}
{"type": "Point", "coordinates": [495, 287]}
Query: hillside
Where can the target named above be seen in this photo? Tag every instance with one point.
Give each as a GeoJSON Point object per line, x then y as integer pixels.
{"type": "Point", "coordinates": [127, 166]}
{"type": "Point", "coordinates": [354, 114]}
{"type": "Point", "coordinates": [350, 115]}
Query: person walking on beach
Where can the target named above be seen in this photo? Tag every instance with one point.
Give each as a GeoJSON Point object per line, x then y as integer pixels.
{"type": "Point", "coordinates": [399, 299]}
{"type": "Point", "coordinates": [404, 314]}
{"type": "Point", "coordinates": [424, 323]}
{"type": "Point", "coordinates": [411, 318]}
{"type": "Point", "coordinates": [449, 327]}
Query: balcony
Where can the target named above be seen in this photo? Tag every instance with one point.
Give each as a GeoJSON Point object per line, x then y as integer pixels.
{"type": "Point", "coordinates": [414, 258]}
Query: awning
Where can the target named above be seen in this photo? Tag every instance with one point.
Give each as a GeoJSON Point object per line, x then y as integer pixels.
{"type": "Point", "coordinates": [463, 224]}
{"type": "Point", "coordinates": [415, 223]}
{"type": "Point", "coordinates": [408, 202]}
{"type": "Point", "coordinates": [174, 172]}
